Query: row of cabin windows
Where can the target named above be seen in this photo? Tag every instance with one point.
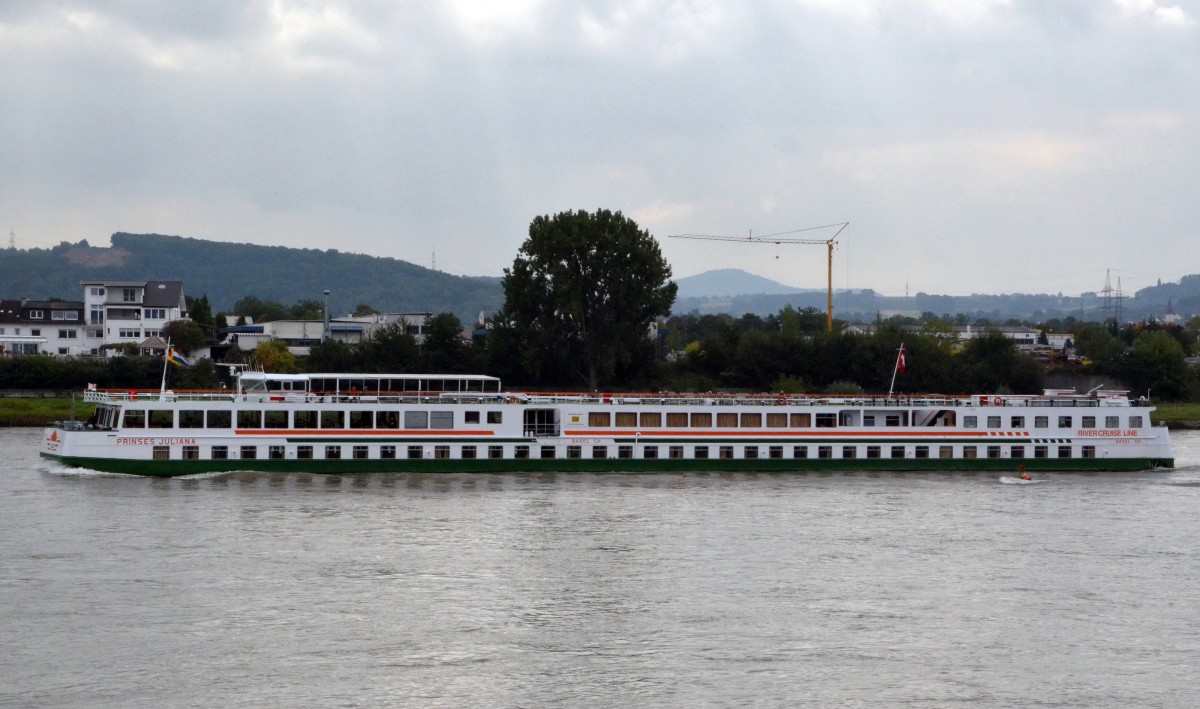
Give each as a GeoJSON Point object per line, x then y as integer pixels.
{"type": "Point", "coordinates": [524, 452]}
{"type": "Point", "coordinates": [654, 419]}
{"type": "Point", "coordinates": [1062, 422]}
{"type": "Point", "coordinates": [683, 419]}
{"type": "Point", "coordinates": [279, 418]}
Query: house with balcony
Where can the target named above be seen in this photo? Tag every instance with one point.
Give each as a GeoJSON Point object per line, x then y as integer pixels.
{"type": "Point", "coordinates": [129, 311]}
{"type": "Point", "coordinates": [42, 327]}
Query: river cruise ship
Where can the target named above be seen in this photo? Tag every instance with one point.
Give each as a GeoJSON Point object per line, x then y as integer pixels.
{"type": "Point", "coordinates": [362, 423]}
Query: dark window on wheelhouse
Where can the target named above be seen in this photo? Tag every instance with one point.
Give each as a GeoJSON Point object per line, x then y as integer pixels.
{"type": "Point", "coordinates": [249, 419]}
{"type": "Point", "coordinates": [191, 418]}
{"type": "Point", "coordinates": [162, 418]}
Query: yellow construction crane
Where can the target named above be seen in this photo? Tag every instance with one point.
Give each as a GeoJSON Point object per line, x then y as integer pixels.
{"type": "Point", "coordinates": [775, 239]}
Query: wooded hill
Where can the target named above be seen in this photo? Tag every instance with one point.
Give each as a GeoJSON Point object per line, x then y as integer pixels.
{"type": "Point", "coordinates": [227, 272]}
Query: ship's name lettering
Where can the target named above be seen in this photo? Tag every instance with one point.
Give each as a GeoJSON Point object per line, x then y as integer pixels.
{"type": "Point", "coordinates": [1106, 433]}
{"type": "Point", "coordinates": [156, 441]}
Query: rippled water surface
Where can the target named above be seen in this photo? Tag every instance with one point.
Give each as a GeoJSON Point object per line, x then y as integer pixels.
{"type": "Point", "coordinates": [536, 590]}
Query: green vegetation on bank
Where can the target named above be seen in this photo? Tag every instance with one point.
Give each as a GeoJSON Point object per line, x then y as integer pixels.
{"type": "Point", "coordinates": [41, 411]}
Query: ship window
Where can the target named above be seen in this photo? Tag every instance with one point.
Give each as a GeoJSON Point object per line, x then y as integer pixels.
{"type": "Point", "coordinates": [891, 420]}
{"type": "Point", "coordinates": [359, 452]}
{"type": "Point", "coordinates": [134, 418]}
{"type": "Point", "coordinates": [574, 452]}
{"type": "Point", "coordinates": [1111, 422]}
{"type": "Point", "coordinates": [650, 451]}
{"type": "Point", "coordinates": [993, 422]}
{"type": "Point", "coordinates": [332, 419]}
{"type": "Point", "coordinates": [775, 452]}
{"type": "Point", "coordinates": [701, 420]}
{"type": "Point", "coordinates": [849, 452]}
{"type": "Point", "coordinates": [521, 452]}
{"type": "Point", "coordinates": [415, 453]}
{"type": "Point", "coordinates": [993, 451]}
{"type": "Point", "coordinates": [599, 419]}
{"type": "Point", "coordinates": [677, 420]}
{"type": "Point", "coordinates": [387, 419]}
{"type": "Point", "coordinates": [1088, 422]}
{"type": "Point", "coordinates": [599, 451]}
{"type": "Point", "coordinates": [625, 452]}
{"type": "Point", "coordinates": [220, 452]}
{"type": "Point", "coordinates": [868, 420]}
{"type": "Point", "coordinates": [441, 420]}
{"type": "Point", "coordinates": [1089, 451]}
{"type": "Point", "coordinates": [416, 419]}
{"type": "Point", "coordinates": [441, 452]}
{"type": "Point", "coordinates": [921, 452]}
{"type": "Point", "coordinates": [727, 420]}
{"type": "Point", "coordinates": [824, 451]}
{"type": "Point", "coordinates": [304, 452]}
{"type": "Point", "coordinates": [874, 452]}
{"type": "Point", "coordinates": [191, 452]}
{"type": "Point", "coordinates": [626, 419]}
{"type": "Point", "coordinates": [1016, 452]}
{"type": "Point", "coordinates": [162, 453]}
{"type": "Point", "coordinates": [970, 421]}
{"type": "Point", "coordinates": [1041, 422]}
{"type": "Point", "coordinates": [333, 452]}
{"type": "Point", "coordinates": [362, 419]}
{"type": "Point", "coordinates": [468, 452]}
{"type": "Point", "coordinates": [387, 452]}
{"type": "Point", "coordinates": [650, 419]}
{"type": "Point", "coordinates": [1064, 451]}
{"type": "Point", "coordinates": [495, 417]}
{"type": "Point", "coordinates": [1041, 452]}
{"type": "Point", "coordinates": [220, 418]}
{"type": "Point", "coordinates": [1135, 421]}
{"type": "Point", "coordinates": [970, 452]}
{"type": "Point", "coordinates": [800, 451]}
{"type": "Point", "coordinates": [547, 452]}
{"type": "Point", "coordinates": [162, 418]}
{"type": "Point", "coordinates": [751, 420]}
{"type": "Point", "coordinates": [276, 419]}
{"type": "Point", "coordinates": [191, 418]}
{"type": "Point", "coordinates": [249, 452]}
{"type": "Point", "coordinates": [750, 453]}
{"type": "Point", "coordinates": [304, 419]}
{"type": "Point", "coordinates": [1064, 421]}
{"type": "Point", "coordinates": [701, 453]}
{"type": "Point", "coordinates": [495, 452]}
{"type": "Point", "coordinates": [776, 420]}
{"type": "Point", "coordinates": [1018, 422]}
{"type": "Point", "coordinates": [801, 420]}
{"type": "Point", "coordinates": [826, 420]}
{"type": "Point", "coordinates": [725, 452]}
{"type": "Point", "coordinates": [275, 452]}
{"type": "Point", "coordinates": [675, 452]}
{"type": "Point", "coordinates": [470, 417]}
{"type": "Point", "coordinates": [946, 451]}
{"type": "Point", "coordinates": [249, 419]}
{"type": "Point", "coordinates": [897, 451]}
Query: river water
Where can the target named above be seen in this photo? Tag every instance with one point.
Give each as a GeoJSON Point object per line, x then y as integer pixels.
{"type": "Point", "coordinates": [822, 589]}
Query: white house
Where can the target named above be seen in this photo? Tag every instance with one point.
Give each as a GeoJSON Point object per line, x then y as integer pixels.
{"type": "Point", "coordinates": [129, 311]}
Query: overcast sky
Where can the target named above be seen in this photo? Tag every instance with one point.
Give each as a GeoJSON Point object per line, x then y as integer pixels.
{"type": "Point", "coordinates": [990, 146]}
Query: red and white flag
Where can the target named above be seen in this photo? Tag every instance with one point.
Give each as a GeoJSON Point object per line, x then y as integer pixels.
{"type": "Point", "coordinates": [900, 361]}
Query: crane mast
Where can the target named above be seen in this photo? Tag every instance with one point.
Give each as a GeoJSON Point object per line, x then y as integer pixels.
{"type": "Point", "coordinates": [779, 239]}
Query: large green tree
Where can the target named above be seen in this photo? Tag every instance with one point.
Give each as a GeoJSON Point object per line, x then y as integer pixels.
{"type": "Point", "coordinates": [580, 297]}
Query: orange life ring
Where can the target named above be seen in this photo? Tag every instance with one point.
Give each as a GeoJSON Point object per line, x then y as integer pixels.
{"type": "Point", "coordinates": [997, 401]}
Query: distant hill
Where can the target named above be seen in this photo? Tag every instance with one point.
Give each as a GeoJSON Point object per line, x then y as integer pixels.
{"type": "Point", "coordinates": [729, 282]}
{"type": "Point", "coordinates": [227, 272]}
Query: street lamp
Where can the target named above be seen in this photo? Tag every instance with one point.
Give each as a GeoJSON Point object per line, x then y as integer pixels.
{"type": "Point", "coordinates": [325, 332]}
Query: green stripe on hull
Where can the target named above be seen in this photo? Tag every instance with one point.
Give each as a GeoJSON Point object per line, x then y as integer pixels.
{"type": "Point", "coordinates": [172, 468]}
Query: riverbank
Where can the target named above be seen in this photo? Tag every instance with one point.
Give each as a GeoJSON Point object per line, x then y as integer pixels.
{"type": "Point", "coordinates": [44, 410]}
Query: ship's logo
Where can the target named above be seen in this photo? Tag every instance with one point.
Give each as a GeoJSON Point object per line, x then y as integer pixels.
{"type": "Point", "coordinates": [54, 436]}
